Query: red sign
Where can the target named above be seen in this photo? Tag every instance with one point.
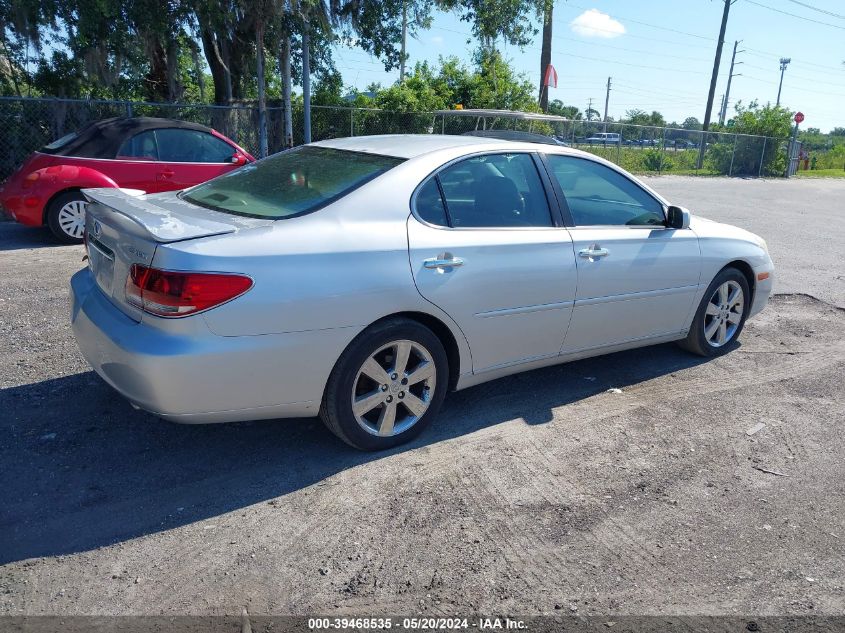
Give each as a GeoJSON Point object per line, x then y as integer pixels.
{"type": "Point", "coordinates": [551, 77]}
{"type": "Point", "coordinates": [799, 116]}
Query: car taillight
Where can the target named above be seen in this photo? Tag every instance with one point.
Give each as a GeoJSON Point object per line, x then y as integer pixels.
{"type": "Point", "coordinates": [168, 293]}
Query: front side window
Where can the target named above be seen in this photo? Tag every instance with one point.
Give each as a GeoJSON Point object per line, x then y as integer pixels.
{"type": "Point", "coordinates": [495, 190]}
{"type": "Point", "coordinates": [139, 147]}
{"type": "Point", "coordinates": [598, 195]}
{"type": "Point", "coordinates": [290, 183]}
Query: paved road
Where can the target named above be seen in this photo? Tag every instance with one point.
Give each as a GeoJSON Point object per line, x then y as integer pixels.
{"type": "Point", "coordinates": [802, 220]}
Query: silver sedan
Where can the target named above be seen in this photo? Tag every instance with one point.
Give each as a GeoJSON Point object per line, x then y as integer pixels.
{"type": "Point", "coordinates": [363, 278]}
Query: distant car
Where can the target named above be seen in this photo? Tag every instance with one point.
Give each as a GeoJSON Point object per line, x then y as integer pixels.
{"type": "Point", "coordinates": [134, 153]}
{"type": "Point", "coordinates": [604, 138]}
{"type": "Point", "coordinates": [363, 278]}
{"type": "Point", "coordinates": [518, 135]}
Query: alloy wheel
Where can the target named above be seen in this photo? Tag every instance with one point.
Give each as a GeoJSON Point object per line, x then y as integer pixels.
{"type": "Point", "coordinates": [723, 314]}
{"type": "Point", "coordinates": [393, 388]}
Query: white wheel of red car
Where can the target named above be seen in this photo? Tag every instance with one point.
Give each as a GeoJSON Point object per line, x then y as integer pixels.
{"type": "Point", "coordinates": [66, 217]}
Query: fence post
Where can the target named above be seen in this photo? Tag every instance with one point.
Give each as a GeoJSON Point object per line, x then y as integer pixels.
{"type": "Point", "coordinates": [733, 154]}
{"type": "Point", "coordinates": [662, 150]}
{"type": "Point", "coordinates": [129, 108]}
{"type": "Point", "coordinates": [762, 155]}
{"type": "Point", "coordinates": [351, 122]}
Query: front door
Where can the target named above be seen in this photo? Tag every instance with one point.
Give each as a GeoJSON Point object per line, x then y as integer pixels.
{"type": "Point", "coordinates": [485, 248]}
{"type": "Point", "coordinates": [636, 278]}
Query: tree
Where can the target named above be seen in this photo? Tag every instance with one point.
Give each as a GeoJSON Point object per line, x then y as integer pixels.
{"type": "Point", "coordinates": [509, 20]}
{"type": "Point", "coordinates": [743, 158]}
{"type": "Point", "coordinates": [557, 108]}
{"type": "Point", "coordinates": [691, 123]}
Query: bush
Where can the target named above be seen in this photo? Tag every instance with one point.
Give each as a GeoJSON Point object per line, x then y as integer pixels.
{"type": "Point", "coordinates": [656, 160]}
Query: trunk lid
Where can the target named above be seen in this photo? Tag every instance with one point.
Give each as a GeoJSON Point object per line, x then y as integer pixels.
{"type": "Point", "coordinates": [125, 227]}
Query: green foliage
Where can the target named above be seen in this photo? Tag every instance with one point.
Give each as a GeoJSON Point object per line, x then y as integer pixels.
{"type": "Point", "coordinates": [491, 20]}
{"type": "Point", "coordinates": [691, 123]}
{"type": "Point", "coordinates": [655, 160]}
{"type": "Point", "coordinates": [557, 108]}
{"type": "Point", "coordinates": [741, 156]}
{"type": "Point", "coordinates": [641, 117]}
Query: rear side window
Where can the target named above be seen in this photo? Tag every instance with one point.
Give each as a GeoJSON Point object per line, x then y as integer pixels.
{"type": "Point", "coordinates": [495, 190]}
{"type": "Point", "coordinates": [290, 183]}
{"type": "Point", "coordinates": [60, 143]}
{"type": "Point", "coordinates": [142, 146]}
{"type": "Point", "coordinates": [430, 204]}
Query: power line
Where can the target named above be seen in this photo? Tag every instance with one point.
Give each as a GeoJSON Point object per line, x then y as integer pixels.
{"type": "Point", "coordinates": [795, 15]}
{"type": "Point", "coordinates": [825, 11]}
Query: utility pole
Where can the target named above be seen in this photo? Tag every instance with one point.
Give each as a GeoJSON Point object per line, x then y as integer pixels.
{"type": "Point", "coordinates": [713, 78]}
{"type": "Point", "coordinates": [721, 109]}
{"type": "Point", "coordinates": [546, 54]}
{"type": "Point", "coordinates": [404, 38]}
{"type": "Point", "coordinates": [590, 109]}
{"type": "Point", "coordinates": [724, 112]}
{"type": "Point", "coordinates": [784, 62]}
{"type": "Point", "coordinates": [606, 101]}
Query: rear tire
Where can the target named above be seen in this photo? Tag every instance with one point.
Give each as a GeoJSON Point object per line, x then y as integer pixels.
{"type": "Point", "coordinates": [66, 217]}
{"type": "Point", "coordinates": [387, 386]}
{"type": "Point", "coordinates": [720, 316]}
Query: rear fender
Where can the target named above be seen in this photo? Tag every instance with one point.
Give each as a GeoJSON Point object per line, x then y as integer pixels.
{"type": "Point", "coordinates": [57, 179]}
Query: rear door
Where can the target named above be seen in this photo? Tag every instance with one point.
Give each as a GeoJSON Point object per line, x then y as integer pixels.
{"type": "Point", "coordinates": [636, 277]}
{"type": "Point", "coordinates": [486, 247]}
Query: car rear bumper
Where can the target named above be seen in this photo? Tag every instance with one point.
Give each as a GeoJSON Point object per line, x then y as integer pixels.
{"type": "Point", "coordinates": [196, 376]}
{"type": "Point", "coordinates": [27, 209]}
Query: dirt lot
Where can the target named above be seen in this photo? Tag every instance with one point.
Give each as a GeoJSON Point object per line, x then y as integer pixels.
{"type": "Point", "coordinates": [539, 493]}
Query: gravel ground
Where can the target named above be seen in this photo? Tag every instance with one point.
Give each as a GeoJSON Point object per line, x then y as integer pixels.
{"type": "Point", "coordinates": [538, 493]}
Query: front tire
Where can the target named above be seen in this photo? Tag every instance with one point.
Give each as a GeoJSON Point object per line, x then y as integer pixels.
{"type": "Point", "coordinates": [387, 385]}
{"type": "Point", "coordinates": [720, 316]}
{"type": "Point", "coordinates": [66, 217]}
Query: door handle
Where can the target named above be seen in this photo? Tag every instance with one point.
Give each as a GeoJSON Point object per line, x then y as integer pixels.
{"type": "Point", "coordinates": [443, 261]}
{"type": "Point", "coordinates": [164, 175]}
{"type": "Point", "coordinates": [594, 252]}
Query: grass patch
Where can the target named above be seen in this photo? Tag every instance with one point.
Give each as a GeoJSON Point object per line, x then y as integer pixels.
{"type": "Point", "coordinates": [821, 173]}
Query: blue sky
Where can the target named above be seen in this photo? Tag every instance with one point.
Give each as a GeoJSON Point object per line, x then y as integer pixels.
{"type": "Point", "coordinates": [659, 54]}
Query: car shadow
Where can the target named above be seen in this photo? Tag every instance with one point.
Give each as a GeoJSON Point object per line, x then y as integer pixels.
{"type": "Point", "coordinates": [82, 469]}
{"type": "Point", "coordinates": [14, 236]}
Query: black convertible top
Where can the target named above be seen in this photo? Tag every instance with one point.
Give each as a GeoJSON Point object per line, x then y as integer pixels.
{"type": "Point", "coordinates": [102, 139]}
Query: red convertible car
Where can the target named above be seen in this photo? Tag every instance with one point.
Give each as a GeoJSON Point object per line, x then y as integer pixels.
{"type": "Point", "coordinates": [132, 153]}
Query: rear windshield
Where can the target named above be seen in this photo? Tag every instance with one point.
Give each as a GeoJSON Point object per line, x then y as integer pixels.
{"type": "Point", "coordinates": [290, 183]}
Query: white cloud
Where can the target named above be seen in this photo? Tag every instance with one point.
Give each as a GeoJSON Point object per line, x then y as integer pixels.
{"type": "Point", "coordinates": [594, 23]}
{"type": "Point", "coordinates": [437, 40]}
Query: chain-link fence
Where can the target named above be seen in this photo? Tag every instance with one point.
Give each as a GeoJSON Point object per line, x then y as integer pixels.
{"type": "Point", "coordinates": [30, 123]}
{"type": "Point", "coordinates": [646, 149]}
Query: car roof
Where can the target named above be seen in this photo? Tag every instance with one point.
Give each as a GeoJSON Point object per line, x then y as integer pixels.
{"type": "Point", "coordinates": [410, 145]}
{"type": "Point", "coordinates": [102, 139]}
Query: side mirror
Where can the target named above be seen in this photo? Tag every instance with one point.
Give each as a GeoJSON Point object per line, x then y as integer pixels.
{"type": "Point", "coordinates": [678, 218]}
{"type": "Point", "coordinates": [238, 159]}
